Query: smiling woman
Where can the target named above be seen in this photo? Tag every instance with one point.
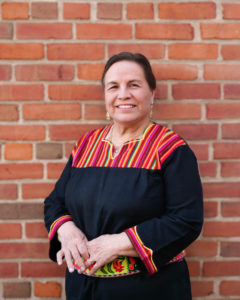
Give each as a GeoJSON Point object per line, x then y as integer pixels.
{"type": "Point", "coordinates": [129, 200]}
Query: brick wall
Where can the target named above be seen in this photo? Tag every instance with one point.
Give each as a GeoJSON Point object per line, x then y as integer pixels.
{"type": "Point", "coordinates": [51, 58]}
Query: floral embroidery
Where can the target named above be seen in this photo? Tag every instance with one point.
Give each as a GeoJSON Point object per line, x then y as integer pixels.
{"type": "Point", "coordinates": [117, 265]}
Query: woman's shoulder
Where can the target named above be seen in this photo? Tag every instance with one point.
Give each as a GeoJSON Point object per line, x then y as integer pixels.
{"type": "Point", "coordinates": [88, 137]}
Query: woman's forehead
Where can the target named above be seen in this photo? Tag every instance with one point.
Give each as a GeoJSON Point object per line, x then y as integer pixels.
{"type": "Point", "coordinates": [128, 69]}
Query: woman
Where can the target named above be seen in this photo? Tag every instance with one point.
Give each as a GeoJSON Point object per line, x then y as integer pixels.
{"type": "Point", "coordinates": [129, 200]}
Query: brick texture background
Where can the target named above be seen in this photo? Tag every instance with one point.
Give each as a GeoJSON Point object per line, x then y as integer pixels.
{"type": "Point", "coordinates": [51, 58]}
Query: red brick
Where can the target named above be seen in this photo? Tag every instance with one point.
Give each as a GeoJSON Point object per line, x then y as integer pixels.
{"type": "Point", "coordinates": [226, 150]}
{"type": "Point", "coordinates": [70, 131]}
{"type": "Point", "coordinates": [8, 112]}
{"type": "Point", "coordinates": [164, 31]}
{"type": "Point", "coordinates": [196, 91]}
{"type": "Point", "coordinates": [230, 249]}
{"type": "Point", "coordinates": [16, 10]}
{"type": "Point", "coordinates": [189, 11]}
{"type": "Point", "coordinates": [175, 71]}
{"type": "Point", "coordinates": [76, 11]}
{"type": "Point", "coordinates": [200, 150]}
{"type": "Point", "coordinates": [203, 249]}
{"type": "Point", "coordinates": [202, 288]}
{"type": "Point", "coordinates": [44, 72]}
{"type": "Point", "coordinates": [21, 171]}
{"type": "Point", "coordinates": [230, 288]}
{"type": "Point", "coordinates": [232, 91]}
{"type": "Point", "coordinates": [8, 270]}
{"type": "Point", "coordinates": [44, 30]}
{"type": "Point", "coordinates": [8, 191]}
{"type": "Point", "coordinates": [18, 151]}
{"type": "Point", "coordinates": [5, 72]}
{"type": "Point", "coordinates": [21, 51]}
{"type": "Point", "coordinates": [36, 230]}
{"type": "Point", "coordinates": [210, 209]}
{"type": "Point", "coordinates": [208, 169]}
{"type": "Point", "coordinates": [21, 92]}
{"type": "Point", "coordinates": [36, 190]}
{"type": "Point", "coordinates": [161, 92]}
{"type": "Point", "coordinates": [42, 269]}
{"type": "Point", "coordinates": [221, 189]}
{"type": "Point", "coordinates": [140, 11]}
{"type": "Point", "coordinates": [75, 51]}
{"type": "Point", "coordinates": [222, 72]}
{"type": "Point", "coordinates": [95, 112]}
{"type": "Point", "coordinates": [22, 132]}
{"type": "Point", "coordinates": [221, 229]}
{"type": "Point", "coordinates": [90, 71]}
{"type": "Point", "coordinates": [223, 111]}
{"type": "Point", "coordinates": [231, 131]}
{"type": "Point", "coordinates": [231, 11]}
{"type": "Point", "coordinates": [221, 268]}
{"type": "Point", "coordinates": [6, 31]}
{"type": "Point", "coordinates": [151, 51]}
{"type": "Point", "coordinates": [10, 231]}
{"type": "Point", "coordinates": [17, 289]}
{"type": "Point", "coordinates": [75, 92]}
{"type": "Point", "coordinates": [194, 267]}
{"type": "Point", "coordinates": [68, 148]}
{"type": "Point", "coordinates": [230, 52]}
{"type": "Point", "coordinates": [47, 289]}
{"type": "Point", "coordinates": [112, 11]}
{"type": "Point", "coordinates": [230, 209]}
{"type": "Point", "coordinates": [50, 111]}
{"type": "Point", "coordinates": [197, 131]}
{"type": "Point", "coordinates": [49, 151]}
{"type": "Point", "coordinates": [54, 170]}
{"type": "Point", "coordinates": [176, 111]}
{"type": "Point", "coordinates": [45, 10]}
{"type": "Point", "coordinates": [223, 31]}
{"type": "Point", "coordinates": [193, 51]}
{"type": "Point", "coordinates": [230, 169]}
{"type": "Point", "coordinates": [24, 250]}
{"type": "Point", "coordinates": [104, 31]}
{"type": "Point", "coordinates": [21, 211]}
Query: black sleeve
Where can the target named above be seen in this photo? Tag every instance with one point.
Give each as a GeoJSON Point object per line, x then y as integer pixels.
{"type": "Point", "coordinates": [167, 236]}
{"type": "Point", "coordinates": [55, 213]}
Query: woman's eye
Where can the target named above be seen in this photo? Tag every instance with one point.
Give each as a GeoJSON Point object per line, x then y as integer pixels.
{"type": "Point", "coordinates": [112, 87]}
{"type": "Point", "coordinates": [134, 84]}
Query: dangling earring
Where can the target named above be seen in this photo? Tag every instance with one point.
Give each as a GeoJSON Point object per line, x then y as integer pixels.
{"type": "Point", "coordinates": [108, 118]}
{"type": "Point", "coordinates": [151, 111]}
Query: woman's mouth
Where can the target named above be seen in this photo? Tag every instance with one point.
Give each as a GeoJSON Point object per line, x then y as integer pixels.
{"type": "Point", "coordinates": [125, 106]}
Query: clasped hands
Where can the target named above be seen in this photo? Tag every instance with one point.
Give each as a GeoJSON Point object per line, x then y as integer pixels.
{"type": "Point", "coordinates": [94, 253]}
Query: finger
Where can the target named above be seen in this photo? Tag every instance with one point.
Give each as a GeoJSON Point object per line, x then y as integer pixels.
{"type": "Point", "coordinates": [94, 268]}
{"type": "Point", "coordinates": [68, 258]}
{"type": "Point", "coordinates": [60, 256]}
{"type": "Point", "coordinates": [78, 260]}
{"type": "Point", "coordinates": [82, 248]}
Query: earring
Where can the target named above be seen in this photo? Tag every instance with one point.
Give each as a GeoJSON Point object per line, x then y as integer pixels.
{"type": "Point", "coordinates": [108, 118]}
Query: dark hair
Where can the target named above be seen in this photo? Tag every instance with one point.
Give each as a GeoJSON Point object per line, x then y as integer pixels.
{"type": "Point", "coordinates": [137, 58]}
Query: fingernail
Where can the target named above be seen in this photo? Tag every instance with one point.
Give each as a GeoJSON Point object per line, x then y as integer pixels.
{"type": "Point", "coordinates": [82, 269]}
{"type": "Point", "coordinates": [71, 270]}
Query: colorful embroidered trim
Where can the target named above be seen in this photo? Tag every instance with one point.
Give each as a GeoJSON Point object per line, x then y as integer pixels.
{"type": "Point", "coordinates": [147, 152]}
{"type": "Point", "coordinates": [121, 266]}
{"type": "Point", "coordinates": [178, 257]}
{"type": "Point", "coordinates": [56, 224]}
{"type": "Point", "coordinates": [144, 253]}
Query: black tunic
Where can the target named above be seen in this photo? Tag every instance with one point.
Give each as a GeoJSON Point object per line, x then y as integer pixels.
{"type": "Point", "coordinates": [152, 190]}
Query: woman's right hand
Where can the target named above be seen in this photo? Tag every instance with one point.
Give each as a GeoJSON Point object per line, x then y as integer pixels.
{"type": "Point", "coordinates": [73, 246]}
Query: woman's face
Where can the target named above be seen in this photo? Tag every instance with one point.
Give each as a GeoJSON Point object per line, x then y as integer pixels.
{"type": "Point", "coordinates": [128, 96]}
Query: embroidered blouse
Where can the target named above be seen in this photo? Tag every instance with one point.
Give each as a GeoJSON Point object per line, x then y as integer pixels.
{"type": "Point", "coordinates": [151, 190]}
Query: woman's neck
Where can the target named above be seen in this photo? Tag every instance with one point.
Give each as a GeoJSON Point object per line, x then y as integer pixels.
{"type": "Point", "coordinates": [123, 133]}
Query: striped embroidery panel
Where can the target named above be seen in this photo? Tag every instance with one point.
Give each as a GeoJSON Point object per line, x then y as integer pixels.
{"type": "Point", "coordinates": [56, 224]}
{"type": "Point", "coordinates": [144, 253]}
{"type": "Point", "coordinates": [148, 152]}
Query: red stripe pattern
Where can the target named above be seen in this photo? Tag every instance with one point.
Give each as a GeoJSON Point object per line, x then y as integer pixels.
{"type": "Point", "coordinates": [56, 224]}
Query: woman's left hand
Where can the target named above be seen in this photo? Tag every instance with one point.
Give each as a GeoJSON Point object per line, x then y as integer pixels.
{"type": "Point", "coordinates": [106, 248]}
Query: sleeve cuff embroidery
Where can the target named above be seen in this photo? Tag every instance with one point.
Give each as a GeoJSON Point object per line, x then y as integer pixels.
{"type": "Point", "coordinates": [144, 253]}
{"type": "Point", "coordinates": [56, 224]}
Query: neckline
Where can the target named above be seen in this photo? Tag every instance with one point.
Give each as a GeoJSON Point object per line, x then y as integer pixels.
{"type": "Point", "coordinates": [109, 127]}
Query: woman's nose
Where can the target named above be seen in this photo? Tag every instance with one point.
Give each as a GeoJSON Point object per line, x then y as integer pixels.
{"type": "Point", "coordinates": [123, 93]}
